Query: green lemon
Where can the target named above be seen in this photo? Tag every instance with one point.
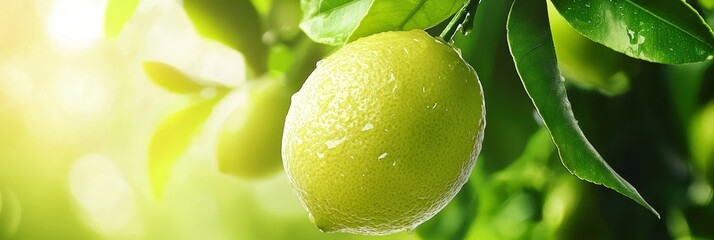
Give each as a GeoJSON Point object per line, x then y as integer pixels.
{"type": "Point", "coordinates": [702, 140]}
{"type": "Point", "coordinates": [249, 140]}
{"type": "Point", "coordinates": [383, 133]}
{"type": "Point", "coordinates": [588, 64]}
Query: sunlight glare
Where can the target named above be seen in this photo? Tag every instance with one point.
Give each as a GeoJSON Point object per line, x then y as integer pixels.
{"type": "Point", "coordinates": [76, 24]}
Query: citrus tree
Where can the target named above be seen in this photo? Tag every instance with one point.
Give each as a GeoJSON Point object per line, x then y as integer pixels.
{"type": "Point", "coordinates": [381, 134]}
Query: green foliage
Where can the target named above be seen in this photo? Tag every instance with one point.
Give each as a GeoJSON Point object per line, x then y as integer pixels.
{"type": "Point", "coordinates": [171, 79]}
{"type": "Point", "coordinates": [533, 52]}
{"type": "Point", "coordinates": [658, 31]}
{"type": "Point", "coordinates": [234, 23]}
{"type": "Point", "coordinates": [172, 138]}
{"type": "Point", "coordinates": [117, 13]}
{"type": "Point", "coordinates": [528, 197]}
{"type": "Point", "coordinates": [339, 21]}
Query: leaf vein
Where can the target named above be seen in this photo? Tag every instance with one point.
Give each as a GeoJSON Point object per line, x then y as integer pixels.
{"type": "Point", "coordinates": [411, 14]}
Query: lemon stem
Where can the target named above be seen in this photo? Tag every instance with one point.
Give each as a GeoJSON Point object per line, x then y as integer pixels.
{"type": "Point", "coordinates": [462, 20]}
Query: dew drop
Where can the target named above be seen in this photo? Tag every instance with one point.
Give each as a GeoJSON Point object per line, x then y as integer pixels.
{"type": "Point", "coordinates": [320, 155]}
{"type": "Point", "coordinates": [367, 127]}
{"type": "Point", "coordinates": [384, 155]}
{"type": "Point", "coordinates": [334, 143]}
{"type": "Point", "coordinates": [631, 35]}
{"type": "Point", "coordinates": [394, 163]}
{"type": "Point", "coordinates": [423, 89]}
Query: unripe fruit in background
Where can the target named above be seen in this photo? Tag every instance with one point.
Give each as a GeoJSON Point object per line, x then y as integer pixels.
{"type": "Point", "coordinates": [588, 64]}
{"type": "Point", "coordinates": [250, 138]}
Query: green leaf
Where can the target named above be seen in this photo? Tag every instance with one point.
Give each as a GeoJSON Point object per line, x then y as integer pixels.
{"type": "Point", "coordinates": [172, 138]}
{"type": "Point", "coordinates": [170, 78]}
{"type": "Point", "coordinates": [336, 22]}
{"type": "Point", "coordinates": [663, 31]}
{"type": "Point", "coordinates": [117, 13]}
{"type": "Point", "coordinates": [234, 23]}
{"type": "Point", "coordinates": [531, 46]}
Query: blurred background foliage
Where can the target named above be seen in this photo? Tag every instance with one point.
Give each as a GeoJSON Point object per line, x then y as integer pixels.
{"type": "Point", "coordinates": [89, 130]}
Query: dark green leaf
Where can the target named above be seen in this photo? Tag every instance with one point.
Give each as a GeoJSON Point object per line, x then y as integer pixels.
{"type": "Point", "coordinates": [117, 13]}
{"type": "Point", "coordinates": [339, 21]}
{"type": "Point", "coordinates": [172, 138]}
{"type": "Point", "coordinates": [170, 78]}
{"type": "Point", "coordinates": [663, 31]}
{"type": "Point", "coordinates": [531, 45]}
{"type": "Point", "coordinates": [234, 23]}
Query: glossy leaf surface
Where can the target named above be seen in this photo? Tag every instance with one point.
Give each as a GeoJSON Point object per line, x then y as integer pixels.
{"type": "Point", "coordinates": [531, 46]}
{"type": "Point", "coordinates": [663, 31]}
{"type": "Point", "coordinates": [336, 22]}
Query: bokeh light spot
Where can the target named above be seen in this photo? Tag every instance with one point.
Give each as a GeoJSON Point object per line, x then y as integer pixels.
{"type": "Point", "coordinates": [103, 194]}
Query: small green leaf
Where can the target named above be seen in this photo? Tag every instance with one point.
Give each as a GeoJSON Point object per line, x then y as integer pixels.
{"type": "Point", "coordinates": [117, 13]}
{"type": "Point", "coordinates": [234, 23]}
{"type": "Point", "coordinates": [663, 31]}
{"type": "Point", "coordinates": [172, 138]}
{"type": "Point", "coordinates": [531, 45]}
{"type": "Point", "coordinates": [170, 78]}
{"type": "Point", "coordinates": [332, 22]}
{"type": "Point", "coordinates": [336, 22]}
